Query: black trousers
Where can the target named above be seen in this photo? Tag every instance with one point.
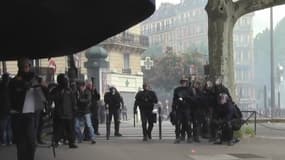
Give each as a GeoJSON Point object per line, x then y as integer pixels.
{"type": "Point", "coordinates": [197, 120]}
{"type": "Point", "coordinates": [222, 130]}
{"type": "Point", "coordinates": [64, 128]}
{"type": "Point", "coordinates": [24, 132]}
{"type": "Point", "coordinates": [95, 121]}
{"type": "Point", "coordinates": [183, 122]}
{"type": "Point", "coordinates": [116, 114]}
{"type": "Point", "coordinates": [147, 122]}
{"type": "Point", "coordinates": [39, 124]}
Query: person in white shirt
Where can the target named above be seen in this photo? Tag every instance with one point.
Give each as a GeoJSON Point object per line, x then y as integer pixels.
{"type": "Point", "coordinates": [26, 97]}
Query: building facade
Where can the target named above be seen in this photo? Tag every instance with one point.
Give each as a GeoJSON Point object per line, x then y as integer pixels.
{"type": "Point", "coordinates": [124, 64]}
{"type": "Point", "coordinates": [124, 56]}
{"type": "Point", "coordinates": [184, 26]}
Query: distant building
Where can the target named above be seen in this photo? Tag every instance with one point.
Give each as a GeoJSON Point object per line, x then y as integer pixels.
{"type": "Point", "coordinates": [124, 56]}
{"type": "Point", "coordinates": [184, 26]}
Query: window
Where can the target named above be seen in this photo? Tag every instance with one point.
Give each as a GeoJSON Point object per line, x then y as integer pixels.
{"type": "Point", "coordinates": [126, 61]}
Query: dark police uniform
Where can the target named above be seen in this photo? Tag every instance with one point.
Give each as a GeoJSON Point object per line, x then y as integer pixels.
{"type": "Point", "coordinates": [145, 100]}
{"type": "Point", "coordinates": [114, 102]}
{"type": "Point", "coordinates": [222, 119]}
{"type": "Point", "coordinates": [182, 110]}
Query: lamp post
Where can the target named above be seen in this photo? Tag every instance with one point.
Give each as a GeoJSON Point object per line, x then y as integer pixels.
{"type": "Point", "coordinates": [272, 64]}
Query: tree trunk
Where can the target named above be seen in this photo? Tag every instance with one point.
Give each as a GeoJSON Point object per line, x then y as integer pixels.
{"type": "Point", "coordinates": [222, 15]}
{"type": "Point", "coordinates": [221, 21]}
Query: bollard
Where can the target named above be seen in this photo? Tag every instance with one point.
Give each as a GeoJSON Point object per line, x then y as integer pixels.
{"type": "Point", "coordinates": [255, 122]}
{"type": "Point", "coordinates": [107, 124]}
{"type": "Point", "coordinates": [159, 123]}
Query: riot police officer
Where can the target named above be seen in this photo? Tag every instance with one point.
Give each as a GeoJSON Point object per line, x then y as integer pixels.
{"type": "Point", "coordinates": [197, 109]}
{"type": "Point", "coordinates": [114, 102]}
{"type": "Point", "coordinates": [182, 111]}
{"type": "Point", "coordinates": [145, 100]}
{"type": "Point", "coordinates": [210, 103]}
{"type": "Point", "coordinates": [222, 120]}
{"type": "Point", "coordinates": [220, 88]}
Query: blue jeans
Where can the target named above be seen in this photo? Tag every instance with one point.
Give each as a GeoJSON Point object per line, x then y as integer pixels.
{"type": "Point", "coordinates": [5, 130]}
{"type": "Point", "coordinates": [86, 119]}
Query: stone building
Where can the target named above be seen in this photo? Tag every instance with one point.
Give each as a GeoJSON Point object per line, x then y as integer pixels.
{"type": "Point", "coordinates": [120, 64]}
{"type": "Point", "coordinates": [184, 26]}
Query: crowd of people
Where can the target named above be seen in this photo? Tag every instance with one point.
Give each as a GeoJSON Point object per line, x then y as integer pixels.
{"type": "Point", "coordinates": [73, 107]}
{"type": "Point", "coordinates": [204, 111]}
{"type": "Point", "coordinates": [197, 111]}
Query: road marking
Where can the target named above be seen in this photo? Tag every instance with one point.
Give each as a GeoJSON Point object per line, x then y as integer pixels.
{"type": "Point", "coordinates": [213, 157]}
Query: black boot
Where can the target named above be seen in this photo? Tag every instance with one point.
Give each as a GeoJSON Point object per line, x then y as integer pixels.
{"type": "Point", "coordinates": [149, 135]}
{"type": "Point", "coordinates": [144, 138]}
{"type": "Point", "coordinates": [118, 135]}
{"type": "Point", "coordinates": [117, 127]}
{"type": "Point", "coordinates": [72, 145]}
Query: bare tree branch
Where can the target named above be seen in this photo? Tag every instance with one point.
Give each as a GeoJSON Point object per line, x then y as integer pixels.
{"type": "Point", "coordinates": [243, 7]}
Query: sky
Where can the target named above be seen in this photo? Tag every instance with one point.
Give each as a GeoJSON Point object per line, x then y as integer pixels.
{"type": "Point", "coordinates": [261, 19]}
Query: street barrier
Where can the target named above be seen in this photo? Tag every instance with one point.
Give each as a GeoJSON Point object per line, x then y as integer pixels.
{"type": "Point", "coordinates": [252, 113]}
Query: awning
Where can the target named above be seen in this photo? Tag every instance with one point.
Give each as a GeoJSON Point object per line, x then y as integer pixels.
{"type": "Point", "coordinates": [48, 28]}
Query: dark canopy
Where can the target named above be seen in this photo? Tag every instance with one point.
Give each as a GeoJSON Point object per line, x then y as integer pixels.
{"type": "Point", "coordinates": [48, 28]}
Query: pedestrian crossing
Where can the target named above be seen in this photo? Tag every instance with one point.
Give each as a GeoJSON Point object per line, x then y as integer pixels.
{"type": "Point", "coordinates": [129, 131]}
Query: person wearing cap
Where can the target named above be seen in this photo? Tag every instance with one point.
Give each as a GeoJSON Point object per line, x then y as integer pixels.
{"type": "Point", "coordinates": [26, 98]}
{"type": "Point", "coordinates": [145, 100]}
{"type": "Point", "coordinates": [181, 109]}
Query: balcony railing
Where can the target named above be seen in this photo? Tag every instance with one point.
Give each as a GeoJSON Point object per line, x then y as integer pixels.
{"type": "Point", "coordinates": [126, 38]}
{"type": "Point", "coordinates": [127, 70]}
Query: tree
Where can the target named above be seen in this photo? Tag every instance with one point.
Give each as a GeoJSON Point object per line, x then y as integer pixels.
{"type": "Point", "coordinates": [222, 15]}
{"type": "Point", "coordinates": [153, 51]}
{"type": "Point", "coordinates": [168, 69]}
{"type": "Point", "coordinates": [279, 39]}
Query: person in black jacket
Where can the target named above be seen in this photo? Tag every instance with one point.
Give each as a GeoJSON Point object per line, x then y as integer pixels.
{"type": "Point", "coordinates": [84, 102]}
{"type": "Point", "coordinates": [145, 100]}
{"type": "Point", "coordinates": [94, 106]}
{"type": "Point", "coordinates": [26, 98]}
{"type": "Point", "coordinates": [114, 102]}
{"type": "Point", "coordinates": [181, 108]}
{"type": "Point", "coordinates": [220, 88]}
{"type": "Point", "coordinates": [210, 104]}
{"type": "Point", "coordinates": [63, 116]}
{"type": "Point", "coordinates": [5, 119]}
{"type": "Point", "coordinates": [222, 120]}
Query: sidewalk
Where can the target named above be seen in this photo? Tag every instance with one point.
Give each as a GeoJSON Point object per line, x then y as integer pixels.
{"type": "Point", "coordinates": [131, 147]}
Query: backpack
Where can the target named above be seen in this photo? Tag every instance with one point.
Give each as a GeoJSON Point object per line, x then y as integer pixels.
{"type": "Point", "coordinates": [237, 122]}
